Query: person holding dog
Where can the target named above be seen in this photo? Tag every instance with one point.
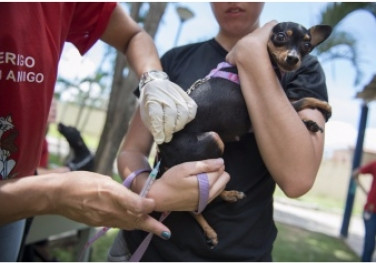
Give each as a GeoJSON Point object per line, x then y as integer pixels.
{"type": "Point", "coordinates": [32, 36]}
{"type": "Point", "coordinates": [369, 214]}
{"type": "Point", "coordinates": [279, 150]}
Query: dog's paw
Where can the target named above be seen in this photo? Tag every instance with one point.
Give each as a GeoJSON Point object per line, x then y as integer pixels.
{"type": "Point", "coordinates": [212, 239]}
{"type": "Point", "coordinates": [232, 196]}
{"type": "Point", "coordinates": [313, 126]}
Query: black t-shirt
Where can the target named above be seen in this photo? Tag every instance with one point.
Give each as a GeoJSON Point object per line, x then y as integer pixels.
{"type": "Point", "coordinates": [246, 230]}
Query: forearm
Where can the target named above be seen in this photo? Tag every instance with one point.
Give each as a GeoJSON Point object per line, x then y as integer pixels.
{"type": "Point", "coordinates": [134, 152]}
{"type": "Point", "coordinates": [291, 153]}
{"type": "Point", "coordinates": [142, 54]}
{"type": "Point", "coordinates": [123, 33]}
{"type": "Point", "coordinates": [85, 197]}
{"type": "Point", "coordinates": [129, 162]}
{"type": "Point", "coordinates": [61, 169]}
{"type": "Point", "coordinates": [25, 197]}
{"type": "Point", "coordinates": [356, 173]}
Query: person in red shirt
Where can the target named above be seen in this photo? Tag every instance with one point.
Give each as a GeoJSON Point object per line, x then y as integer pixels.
{"type": "Point", "coordinates": [369, 214]}
{"type": "Point", "coordinates": [32, 37]}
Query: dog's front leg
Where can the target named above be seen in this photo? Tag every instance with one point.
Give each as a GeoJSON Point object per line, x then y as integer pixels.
{"type": "Point", "coordinates": [208, 230]}
{"type": "Point", "coordinates": [313, 103]}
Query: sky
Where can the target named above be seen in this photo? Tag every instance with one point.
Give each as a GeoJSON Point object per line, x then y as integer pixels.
{"type": "Point", "coordinates": [341, 130]}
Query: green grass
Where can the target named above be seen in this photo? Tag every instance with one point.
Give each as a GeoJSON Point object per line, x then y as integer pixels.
{"type": "Point", "coordinates": [320, 201]}
{"type": "Point", "coordinates": [296, 245]}
{"type": "Point", "coordinates": [293, 244]}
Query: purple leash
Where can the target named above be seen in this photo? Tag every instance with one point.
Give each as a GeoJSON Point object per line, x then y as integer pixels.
{"type": "Point", "coordinates": [203, 182]}
{"type": "Point", "coordinates": [140, 251]}
{"type": "Point", "coordinates": [202, 178]}
{"type": "Point", "coordinates": [127, 183]}
{"type": "Point", "coordinates": [203, 185]}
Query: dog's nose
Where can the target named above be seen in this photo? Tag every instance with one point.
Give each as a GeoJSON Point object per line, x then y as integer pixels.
{"type": "Point", "coordinates": [292, 60]}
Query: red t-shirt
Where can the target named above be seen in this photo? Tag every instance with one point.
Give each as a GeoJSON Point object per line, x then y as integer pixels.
{"type": "Point", "coordinates": [43, 162]}
{"type": "Point", "coordinates": [371, 198]}
{"type": "Point", "coordinates": [32, 37]}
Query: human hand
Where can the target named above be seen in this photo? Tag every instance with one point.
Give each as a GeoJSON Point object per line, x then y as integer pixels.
{"type": "Point", "coordinates": [165, 108]}
{"type": "Point", "coordinates": [257, 40]}
{"type": "Point", "coordinates": [98, 200]}
{"type": "Point", "coordinates": [355, 173]}
{"type": "Point", "coordinates": [177, 189]}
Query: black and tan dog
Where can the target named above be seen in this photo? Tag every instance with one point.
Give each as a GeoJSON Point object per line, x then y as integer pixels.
{"type": "Point", "coordinates": [82, 159]}
{"type": "Point", "coordinates": [204, 137]}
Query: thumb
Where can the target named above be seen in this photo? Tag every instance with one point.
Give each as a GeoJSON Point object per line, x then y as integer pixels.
{"type": "Point", "coordinates": [267, 28]}
{"type": "Point", "coordinates": [269, 25]}
{"type": "Point", "coordinates": [206, 166]}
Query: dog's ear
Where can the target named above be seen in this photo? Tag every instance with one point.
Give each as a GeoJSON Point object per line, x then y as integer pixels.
{"type": "Point", "coordinates": [319, 34]}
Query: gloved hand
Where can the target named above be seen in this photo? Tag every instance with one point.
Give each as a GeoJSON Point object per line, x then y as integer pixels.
{"type": "Point", "coordinates": [165, 108]}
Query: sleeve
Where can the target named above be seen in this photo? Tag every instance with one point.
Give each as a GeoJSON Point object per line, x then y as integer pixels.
{"type": "Point", "coordinates": [368, 168]}
{"type": "Point", "coordinates": [89, 22]}
{"type": "Point", "coordinates": [308, 81]}
{"type": "Point", "coordinates": [43, 162]}
{"type": "Point", "coordinates": [167, 62]}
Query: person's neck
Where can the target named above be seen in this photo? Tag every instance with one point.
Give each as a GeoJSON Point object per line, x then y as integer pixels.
{"type": "Point", "coordinates": [228, 41]}
{"type": "Point", "coordinates": [225, 41]}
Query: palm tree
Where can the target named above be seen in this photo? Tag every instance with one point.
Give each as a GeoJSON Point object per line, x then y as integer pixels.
{"type": "Point", "coordinates": [333, 15]}
{"type": "Point", "coordinates": [84, 99]}
{"type": "Point", "coordinates": [122, 101]}
{"type": "Point", "coordinates": [342, 45]}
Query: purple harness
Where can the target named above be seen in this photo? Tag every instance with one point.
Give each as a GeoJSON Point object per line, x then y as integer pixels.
{"type": "Point", "coordinates": [218, 73]}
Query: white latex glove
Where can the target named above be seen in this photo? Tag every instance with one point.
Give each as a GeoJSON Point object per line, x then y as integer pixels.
{"type": "Point", "coordinates": [165, 108]}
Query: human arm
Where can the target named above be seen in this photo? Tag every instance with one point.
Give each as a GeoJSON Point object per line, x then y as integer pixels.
{"type": "Point", "coordinates": [355, 175]}
{"type": "Point", "coordinates": [291, 153]}
{"type": "Point", "coordinates": [124, 34]}
{"type": "Point", "coordinates": [85, 197]}
{"type": "Point", "coordinates": [177, 189]}
{"type": "Point", "coordinates": [62, 169]}
{"type": "Point", "coordinates": [160, 99]}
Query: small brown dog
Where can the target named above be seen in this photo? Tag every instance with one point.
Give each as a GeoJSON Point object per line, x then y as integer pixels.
{"type": "Point", "coordinates": [204, 137]}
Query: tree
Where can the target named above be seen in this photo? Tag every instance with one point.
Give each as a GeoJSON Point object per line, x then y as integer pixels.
{"type": "Point", "coordinates": [122, 102]}
{"type": "Point", "coordinates": [333, 15]}
{"type": "Point", "coordinates": [342, 45]}
{"type": "Point", "coordinates": [85, 99]}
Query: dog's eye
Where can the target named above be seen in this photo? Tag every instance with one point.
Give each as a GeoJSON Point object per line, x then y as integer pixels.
{"type": "Point", "coordinates": [307, 47]}
{"type": "Point", "coordinates": [280, 37]}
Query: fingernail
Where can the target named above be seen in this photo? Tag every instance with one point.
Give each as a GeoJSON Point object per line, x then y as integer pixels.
{"type": "Point", "coordinates": [220, 161]}
{"type": "Point", "coordinates": [166, 235]}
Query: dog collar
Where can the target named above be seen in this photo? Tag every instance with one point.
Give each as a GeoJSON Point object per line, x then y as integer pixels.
{"type": "Point", "coordinates": [219, 73]}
